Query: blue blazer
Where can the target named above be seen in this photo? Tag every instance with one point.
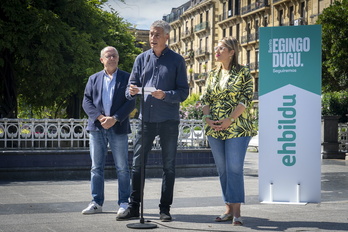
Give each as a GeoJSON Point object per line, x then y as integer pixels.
{"type": "Point", "coordinates": [121, 106]}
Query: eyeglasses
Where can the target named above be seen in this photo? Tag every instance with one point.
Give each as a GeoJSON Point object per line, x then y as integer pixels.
{"type": "Point", "coordinates": [111, 56]}
{"type": "Point", "coordinates": [220, 48]}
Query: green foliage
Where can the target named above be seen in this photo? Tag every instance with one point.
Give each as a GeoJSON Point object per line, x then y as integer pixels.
{"type": "Point", "coordinates": [54, 46]}
{"type": "Point", "coordinates": [334, 21]}
{"type": "Point", "coordinates": [191, 108]}
{"type": "Point", "coordinates": [335, 103]}
{"type": "Point", "coordinates": [191, 100]}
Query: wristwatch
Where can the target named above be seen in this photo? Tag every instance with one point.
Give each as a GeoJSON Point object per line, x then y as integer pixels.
{"type": "Point", "coordinates": [114, 117]}
{"type": "Point", "coordinates": [232, 119]}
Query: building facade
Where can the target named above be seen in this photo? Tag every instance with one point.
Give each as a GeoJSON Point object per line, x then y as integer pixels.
{"type": "Point", "coordinates": [197, 26]}
{"type": "Point", "coordinates": [141, 38]}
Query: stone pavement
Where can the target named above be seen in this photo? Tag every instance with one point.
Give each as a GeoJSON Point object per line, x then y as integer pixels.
{"type": "Point", "coordinates": [43, 206]}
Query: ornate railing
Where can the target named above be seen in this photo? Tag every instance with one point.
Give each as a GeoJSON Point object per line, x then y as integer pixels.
{"type": "Point", "coordinates": [343, 137]}
{"type": "Point", "coordinates": [254, 6]}
{"type": "Point", "coordinates": [18, 134]}
{"type": "Point", "coordinates": [72, 134]}
{"type": "Point", "coordinates": [202, 26]}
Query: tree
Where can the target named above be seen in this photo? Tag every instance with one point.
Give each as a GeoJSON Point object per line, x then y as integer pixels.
{"type": "Point", "coordinates": [334, 21]}
{"type": "Point", "coordinates": [49, 48]}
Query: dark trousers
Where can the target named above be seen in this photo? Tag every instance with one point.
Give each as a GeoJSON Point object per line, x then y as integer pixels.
{"type": "Point", "coordinates": [168, 132]}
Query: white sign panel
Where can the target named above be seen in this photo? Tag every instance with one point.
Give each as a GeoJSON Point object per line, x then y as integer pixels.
{"type": "Point", "coordinates": [290, 115]}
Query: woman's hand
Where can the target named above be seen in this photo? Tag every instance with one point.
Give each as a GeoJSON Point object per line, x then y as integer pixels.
{"type": "Point", "coordinates": [220, 124]}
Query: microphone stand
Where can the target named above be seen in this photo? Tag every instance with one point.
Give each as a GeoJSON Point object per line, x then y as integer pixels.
{"type": "Point", "coordinates": [142, 224]}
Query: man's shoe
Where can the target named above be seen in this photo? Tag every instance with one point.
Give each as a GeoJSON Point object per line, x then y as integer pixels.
{"type": "Point", "coordinates": [92, 208]}
{"type": "Point", "coordinates": [128, 214]}
{"type": "Point", "coordinates": [165, 215]}
{"type": "Point", "coordinates": [123, 207]}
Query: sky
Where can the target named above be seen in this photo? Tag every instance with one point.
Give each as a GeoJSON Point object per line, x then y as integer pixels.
{"type": "Point", "coordinates": [143, 13]}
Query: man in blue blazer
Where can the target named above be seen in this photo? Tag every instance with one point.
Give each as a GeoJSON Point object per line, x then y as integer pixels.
{"type": "Point", "coordinates": [108, 124]}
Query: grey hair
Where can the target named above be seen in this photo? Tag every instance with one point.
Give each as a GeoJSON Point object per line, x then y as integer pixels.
{"type": "Point", "coordinates": [104, 49]}
{"type": "Point", "coordinates": [162, 24]}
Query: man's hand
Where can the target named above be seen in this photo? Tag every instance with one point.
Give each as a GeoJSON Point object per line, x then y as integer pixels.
{"type": "Point", "coordinates": [107, 121]}
{"type": "Point", "coordinates": [159, 94]}
{"type": "Point", "coordinates": [133, 90]}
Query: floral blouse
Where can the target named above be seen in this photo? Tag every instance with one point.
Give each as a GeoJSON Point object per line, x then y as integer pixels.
{"type": "Point", "coordinates": [223, 96]}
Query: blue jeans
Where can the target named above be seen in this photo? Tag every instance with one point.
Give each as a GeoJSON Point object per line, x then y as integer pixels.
{"type": "Point", "coordinates": [98, 142]}
{"type": "Point", "coordinates": [229, 157]}
{"type": "Point", "coordinates": [168, 132]}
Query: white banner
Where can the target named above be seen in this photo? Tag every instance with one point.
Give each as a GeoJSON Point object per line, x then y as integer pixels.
{"type": "Point", "coordinates": [290, 115]}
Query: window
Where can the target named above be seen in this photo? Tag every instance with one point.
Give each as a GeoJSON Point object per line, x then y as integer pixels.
{"type": "Point", "coordinates": [224, 11]}
{"type": "Point", "coordinates": [265, 21]}
{"type": "Point", "coordinates": [302, 10]}
{"type": "Point", "coordinates": [248, 29]}
{"type": "Point", "coordinates": [256, 59]}
{"type": "Point", "coordinates": [281, 13]}
{"type": "Point", "coordinates": [206, 44]}
{"type": "Point", "coordinates": [248, 57]}
{"type": "Point", "coordinates": [291, 15]}
{"type": "Point", "coordinates": [248, 32]}
{"type": "Point", "coordinates": [174, 40]}
{"type": "Point", "coordinates": [229, 5]}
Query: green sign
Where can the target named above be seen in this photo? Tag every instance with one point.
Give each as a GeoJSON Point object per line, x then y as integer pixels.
{"type": "Point", "coordinates": [289, 55]}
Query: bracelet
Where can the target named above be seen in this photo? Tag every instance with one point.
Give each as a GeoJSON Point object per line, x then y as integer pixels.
{"type": "Point", "coordinates": [205, 116]}
{"type": "Point", "coordinates": [232, 119]}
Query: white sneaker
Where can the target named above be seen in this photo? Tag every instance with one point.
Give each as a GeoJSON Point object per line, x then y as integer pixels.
{"type": "Point", "coordinates": [123, 207]}
{"type": "Point", "coordinates": [92, 208]}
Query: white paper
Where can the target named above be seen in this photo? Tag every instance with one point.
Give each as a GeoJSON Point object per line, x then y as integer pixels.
{"type": "Point", "coordinates": [147, 90]}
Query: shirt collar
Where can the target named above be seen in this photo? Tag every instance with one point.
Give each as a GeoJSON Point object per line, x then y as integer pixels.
{"type": "Point", "coordinates": [165, 50]}
{"type": "Point", "coordinates": [113, 75]}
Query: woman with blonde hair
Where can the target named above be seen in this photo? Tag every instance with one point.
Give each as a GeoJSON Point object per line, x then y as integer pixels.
{"type": "Point", "coordinates": [227, 103]}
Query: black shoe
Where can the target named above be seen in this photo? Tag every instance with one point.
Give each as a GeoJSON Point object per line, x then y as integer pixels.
{"type": "Point", "coordinates": [130, 213]}
{"type": "Point", "coordinates": [165, 215]}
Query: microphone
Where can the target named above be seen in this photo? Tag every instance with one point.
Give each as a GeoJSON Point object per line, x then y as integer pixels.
{"type": "Point", "coordinates": [142, 224]}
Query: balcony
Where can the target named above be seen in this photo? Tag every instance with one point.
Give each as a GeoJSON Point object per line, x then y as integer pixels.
{"type": "Point", "coordinates": [187, 35]}
{"type": "Point", "coordinates": [254, 6]}
{"type": "Point", "coordinates": [175, 43]}
{"type": "Point", "coordinates": [201, 27]}
{"type": "Point", "coordinates": [252, 37]}
{"type": "Point", "coordinates": [200, 78]}
{"type": "Point", "coordinates": [188, 56]}
{"type": "Point", "coordinates": [201, 53]}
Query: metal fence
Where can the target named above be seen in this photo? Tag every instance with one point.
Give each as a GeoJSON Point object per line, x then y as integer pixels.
{"type": "Point", "coordinates": [343, 137]}
{"type": "Point", "coordinates": [72, 134]}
